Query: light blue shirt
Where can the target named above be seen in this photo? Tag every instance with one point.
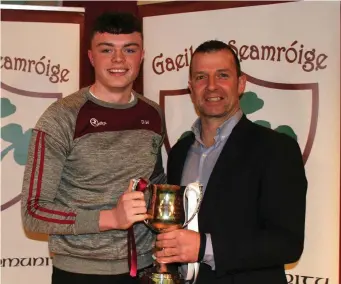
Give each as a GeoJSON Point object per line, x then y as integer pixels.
{"type": "Point", "coordinates": [200, 162]}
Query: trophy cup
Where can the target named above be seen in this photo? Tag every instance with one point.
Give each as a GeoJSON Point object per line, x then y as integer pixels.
{"type": "Point", "coordinates": [167, 207]}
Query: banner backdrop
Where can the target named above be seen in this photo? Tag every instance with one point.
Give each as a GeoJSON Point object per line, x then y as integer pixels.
{"type": "Point", "coordinates": [39, 65]}
{"type": "Point", "coordinates": [290, 53]}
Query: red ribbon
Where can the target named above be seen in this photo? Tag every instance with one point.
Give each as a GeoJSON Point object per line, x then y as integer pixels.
{"type": "Point", "coordinates": [132, 254]}
{"type": "Point", "coordinates": [142, 185]}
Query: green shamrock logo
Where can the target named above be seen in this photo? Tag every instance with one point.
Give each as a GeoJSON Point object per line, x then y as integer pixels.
{"type": "Point", "coordinates": [14, 134]}
{"type": "Point", "coordinates": [251, 103]}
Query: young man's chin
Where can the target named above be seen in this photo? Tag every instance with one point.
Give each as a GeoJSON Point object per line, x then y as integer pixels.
{"type": "Point", "coordinates": [120, 87]}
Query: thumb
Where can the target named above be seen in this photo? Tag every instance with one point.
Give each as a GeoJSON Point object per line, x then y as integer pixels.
{"type": "Point", "coordinates": [130, 187]}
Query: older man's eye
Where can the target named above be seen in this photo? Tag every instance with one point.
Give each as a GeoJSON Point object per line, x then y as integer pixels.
{"type": "Point", "coordinates": [199, 77]}
{"type": "Point", "coordinates": [223, 75]}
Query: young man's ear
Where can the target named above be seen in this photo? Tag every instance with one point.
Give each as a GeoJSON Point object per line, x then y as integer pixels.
{"type": "Point", "coordinates": [91, 58]}
{"type": "Point", "coordinates": [142, 56]}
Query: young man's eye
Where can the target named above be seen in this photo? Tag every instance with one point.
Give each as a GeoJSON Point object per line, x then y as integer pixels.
{"type": "Point", "coordinates": [130, 50]}
{"type": "Point", "coordinates": [106, 50]}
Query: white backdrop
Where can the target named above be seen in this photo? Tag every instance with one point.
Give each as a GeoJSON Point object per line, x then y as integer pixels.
{"type": "Point", "coordinates": [39, 64]}
{"type": "Point", "coordinates": [295, 89]}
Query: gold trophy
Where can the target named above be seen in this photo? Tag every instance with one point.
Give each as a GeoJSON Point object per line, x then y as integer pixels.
{"type": "Point", "coordinates": [167, 207]}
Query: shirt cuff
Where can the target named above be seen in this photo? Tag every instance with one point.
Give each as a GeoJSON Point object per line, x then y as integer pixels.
{"type": "Point", "coordinates": [209, 257]}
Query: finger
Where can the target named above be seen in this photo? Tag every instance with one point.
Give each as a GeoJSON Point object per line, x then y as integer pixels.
{"type": "Point", "coordinates": [166, 243]}
{"type": "Point", "coordinates": [132, 195]}
{"type": "Point", "coordinates": [139, 218]}
{"type": "Point", "coordinates": [133, 203]}
{"type": "Point", "coordinates": [161, 253]}
{"type": "Point", "coordinates": [130, 187]}
{"type": "Point", "coordinates": [139, 210]}
{"type": "Point", "coordinates": [166, 236]}
{"type": "Point", "coordinates": [139, 203]}
{"type": "Point", "coordinates": [170, 228]}
{"type": "Point", "coordinates": [150, 216]}
{"type": "Point", "coordinates": [166, 252]}
{"type": "Point", "coordinates": [169, 259]}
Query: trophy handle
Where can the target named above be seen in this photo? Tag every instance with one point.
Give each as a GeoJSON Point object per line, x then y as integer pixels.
{"type": "Point", "coordinates": [195, 188]}
{"type": "Point", "coordinates": [151, 206]}
{"type": "Point", "coordinates": [151, 202]}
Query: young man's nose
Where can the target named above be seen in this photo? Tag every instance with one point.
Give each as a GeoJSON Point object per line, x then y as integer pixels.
{"type": "Point", "coordinates": [118, 56]}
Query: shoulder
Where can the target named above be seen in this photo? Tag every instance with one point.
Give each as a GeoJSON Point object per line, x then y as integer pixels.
{"type": "Point", "coordinates": [63, 110]}
{"type": "Point", "coordinates": [71, 102]}
{"type": "Point", "coordinates": [271, 139]}
{"type": "Point", "coordinates": [184, 142]}
{"type": "Point", "coordinates": [149, 102]}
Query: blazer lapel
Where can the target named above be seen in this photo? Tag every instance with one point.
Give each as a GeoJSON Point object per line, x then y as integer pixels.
{"type": "Point", "coordinates": [178, 160]}
{"type": "Point", "coordinates": [229, 160]}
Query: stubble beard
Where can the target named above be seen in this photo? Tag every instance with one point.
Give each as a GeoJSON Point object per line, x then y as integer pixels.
{"type": "Point", "coordinates": [226, 114]}
{"type": "Point", "coordinates": [206, 115]}
{"type": "Point", "coordinates": [202, 113]}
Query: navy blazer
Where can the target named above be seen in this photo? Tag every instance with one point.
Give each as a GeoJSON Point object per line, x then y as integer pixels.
{"type": "Point", "coordinates": [253, 207]}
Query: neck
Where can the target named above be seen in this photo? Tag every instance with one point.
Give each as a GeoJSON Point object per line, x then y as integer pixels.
{"type": "Point", "coordinates": [209, 126]}
{"type": "Point", "coordinates": [208, 131]}
{"type": "Point", "coordinates": [111, 95]}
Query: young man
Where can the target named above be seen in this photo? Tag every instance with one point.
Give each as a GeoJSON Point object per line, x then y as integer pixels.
{"type": "Point", "coordinates": [84, 151]}
{"type": "Point", "coordinates": [252, 217]}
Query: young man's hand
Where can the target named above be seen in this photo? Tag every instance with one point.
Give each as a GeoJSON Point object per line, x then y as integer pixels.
{"type": "Point", "coordinates": [131, 208]}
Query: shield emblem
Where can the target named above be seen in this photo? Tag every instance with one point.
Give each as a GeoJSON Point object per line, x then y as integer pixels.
{"type": "Point", "coordinates": [288, 108]}
{"type": "Point", "coordinates": [20, 109]}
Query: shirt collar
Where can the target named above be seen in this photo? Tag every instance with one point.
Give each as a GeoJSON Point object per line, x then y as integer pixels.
{"type": "Point", "coordinates": [132, 97]}
{"type": "Point", "coordinates": [223, 131]}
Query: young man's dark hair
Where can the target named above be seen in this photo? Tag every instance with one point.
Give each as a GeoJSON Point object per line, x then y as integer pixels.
{"type": "Point", "coordinates": [117, 23]}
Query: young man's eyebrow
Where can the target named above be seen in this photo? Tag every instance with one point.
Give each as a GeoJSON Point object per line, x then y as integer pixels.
{"type": "Point", "coordinates": [109, 44]}
{"type": "Point", "coordinates": [105, 44]}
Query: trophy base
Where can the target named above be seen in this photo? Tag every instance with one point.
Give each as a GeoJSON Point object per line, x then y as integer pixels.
{"type": "Point", "coordinates": [151, 276]}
